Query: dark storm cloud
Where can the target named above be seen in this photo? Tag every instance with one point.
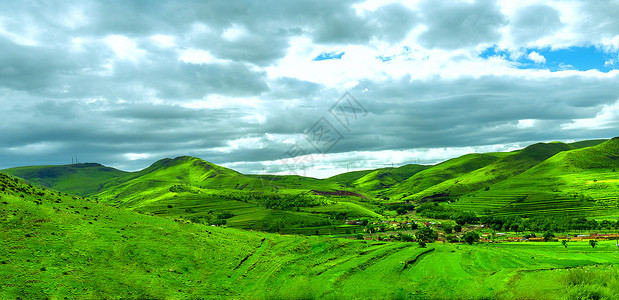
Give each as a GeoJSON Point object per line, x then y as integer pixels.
{"type": "Point", "coordinates": [456, 24]}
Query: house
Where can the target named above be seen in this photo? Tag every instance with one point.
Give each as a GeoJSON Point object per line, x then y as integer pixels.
{"type": "Point", "coordinates": [353, 222]}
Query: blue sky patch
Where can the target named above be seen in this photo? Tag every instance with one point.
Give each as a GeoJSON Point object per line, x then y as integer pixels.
{"type": "Point", "coordinates": [573, 58]}
{"type": "Point", "coordinates": [385, 58]}
{"type": "Point", "coordinates": [329, 55]}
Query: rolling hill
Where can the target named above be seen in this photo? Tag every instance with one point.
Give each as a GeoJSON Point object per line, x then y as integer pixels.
{"type": "Point", "coordinates": [501, 169]}
{"type": "Point", "coordinates": [553, 177]}
{"type": "Point", "coordinates": [378, 179]}
{"type": "Point", "coordinates": [82, 179]}
{"type": "Point", "coordinates": [439, 173]}
{"type": "Point", "coordinates": [578, 182]}
{"type": "Point", "coordinates": [54, 245]}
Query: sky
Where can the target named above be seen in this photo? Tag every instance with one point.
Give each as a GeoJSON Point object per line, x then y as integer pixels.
{"type": "Point", "coordinates": [313, 88]}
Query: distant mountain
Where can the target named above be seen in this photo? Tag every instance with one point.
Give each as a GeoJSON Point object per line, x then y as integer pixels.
{"type": "Point", "coordinates": [83, 179]}
{"type": "Point", "coordinates": [500, 182]}
{"type": "Point", "coordinates": [575, 182]}
{"type": "Point", "coordinates": [441, 172]}
{"type": "Point", "coordinates": [377, 179]}
{"type": "Point", "coordinates": [501, 169]}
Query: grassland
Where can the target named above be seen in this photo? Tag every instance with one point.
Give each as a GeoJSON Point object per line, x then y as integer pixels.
{"type": "Point", "coordinates": [55, 245]}
{"type": "Point", "coordinates": [544, 179]}
{"type": "Point", "coordinates": [580, 182]}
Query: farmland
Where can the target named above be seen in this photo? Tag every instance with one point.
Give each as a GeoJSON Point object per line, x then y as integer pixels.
{"type": "Point", "coordinates": [122, 254]}
{"type": "Point", "coordinates": [186, 228]}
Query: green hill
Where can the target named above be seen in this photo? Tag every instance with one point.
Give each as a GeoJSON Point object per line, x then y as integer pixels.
{"type": "Point", "coordinates": [379, 179]}
{"type": "Point", "coordinates": [439, 173]}
{"type": "Point", "coordinates": [501, 169]}
{"type": "Point", "coordinates": [83, 179]}
{"type": "Point", "coordinates": [587, 143]}
{"type": "Point", "coordinates": [55, 246]}
{"type": "Point", "coordinates": [191, 188]}
{"type": "Point", "coordinates": [578, 182]}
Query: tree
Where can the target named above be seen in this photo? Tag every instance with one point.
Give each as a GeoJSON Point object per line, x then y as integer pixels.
{"type": "Point", "coordinates": [422, 244]}
{"type": "Point", "coordinates": [426, 234]}
{"type": "Point", "coordinates": [447, 228]}
{"type": "Point", "coordinates": [564, 243]}
{"type": "Point", "coordinates": [548, 235]}
{"type": "Point", "coordinates": [593, 243]}
{"type": "Point", "coordinates": [471, 237]}
{"type": "Point", "coordinates": [406, 238]}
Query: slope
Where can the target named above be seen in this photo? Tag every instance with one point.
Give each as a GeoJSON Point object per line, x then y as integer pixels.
{"type": "Point", "coordinates": [82, 179]}
{"type": "Point", "coordinates": [58, 246]}
{"type": "Point", "coordinates": [193, 189]}
{"type": "Point", "coordinates": [375, 181]}
{"type": "Point", "coordinates": [501, 169]}
{"type": "Point", "coordinates": [579, 182]}
{"type": "Point", "coordinates": [441, 172]}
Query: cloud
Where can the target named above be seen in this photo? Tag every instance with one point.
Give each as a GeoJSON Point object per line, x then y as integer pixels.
{"type": "Point", "coordinates": [456, 24]}
{"type": "Point", "coordinates": [238, 83]}
{"type": "Point", "coordinates": [606, 118]}
{"type": "Point", "coordinates": [536, 57]}
{"type": "Point", "coordinates": [534, 22]}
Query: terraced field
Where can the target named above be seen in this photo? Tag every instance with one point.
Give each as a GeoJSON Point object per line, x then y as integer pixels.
{"type": "Point", "coordinates": [55, 245]}
{"type": "Point", "coordinates": [529, 205]}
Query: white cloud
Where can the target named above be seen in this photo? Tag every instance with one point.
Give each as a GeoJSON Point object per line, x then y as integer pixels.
{"type": "Point", "coordinates": [235, 32]}
{"type": "Point", "coordinates": [526, 123]}
{"type": "Point", "coordinates": [124, 47]}
{"type": "Point", "coordinates": [196, 56]}
{"type": "Point", "coordinates": [607, 117]}
{"type": "Point", "coordinates": [537, 58]}
{"type": "Point", "coordinates": [137, 156]}
{"type": "Point", "coordinates": [163, 40]}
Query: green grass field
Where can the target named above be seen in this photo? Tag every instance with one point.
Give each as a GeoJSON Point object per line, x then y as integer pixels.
{"type": "Point", "coordinates": [146, 234]}
{"type": "Point", "coordinates": [56, 245]}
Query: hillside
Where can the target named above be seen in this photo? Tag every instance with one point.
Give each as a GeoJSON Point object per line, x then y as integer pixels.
{"type": "Point", "coordinates": [55, 245]}
{"type": "Point", "coordinates": [192, 188]}
{"type": "Point", "coordinates": [501, 169]}
{"type": "Point", "coordinates": [439, 173]}
{"type": "Point", "coordinates": [378, 179]}
{"type": "Point", "coordinates": [82, 179]}
{"type": "Point", "coordinates": [576, 182]}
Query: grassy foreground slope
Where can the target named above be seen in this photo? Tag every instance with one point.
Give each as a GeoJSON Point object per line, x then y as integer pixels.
{"type": "Point", "coordinates": [55, 245]}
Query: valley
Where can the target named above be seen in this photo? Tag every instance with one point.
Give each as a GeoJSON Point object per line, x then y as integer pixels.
{"type": "Point", "coordinates": [186, 228]}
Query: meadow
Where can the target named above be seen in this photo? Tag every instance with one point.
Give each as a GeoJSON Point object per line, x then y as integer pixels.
{"type": "Point", "coordinates": [187, 229]}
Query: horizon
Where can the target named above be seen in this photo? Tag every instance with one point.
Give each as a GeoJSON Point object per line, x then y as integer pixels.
{"type": "Point", "coordinates": [309, 88]}
{"type": "Point", "coordinates": [287, 173]}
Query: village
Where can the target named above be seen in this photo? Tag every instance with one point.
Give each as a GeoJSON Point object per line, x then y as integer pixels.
{"type": "Point", "coordinates": [448, 231]}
